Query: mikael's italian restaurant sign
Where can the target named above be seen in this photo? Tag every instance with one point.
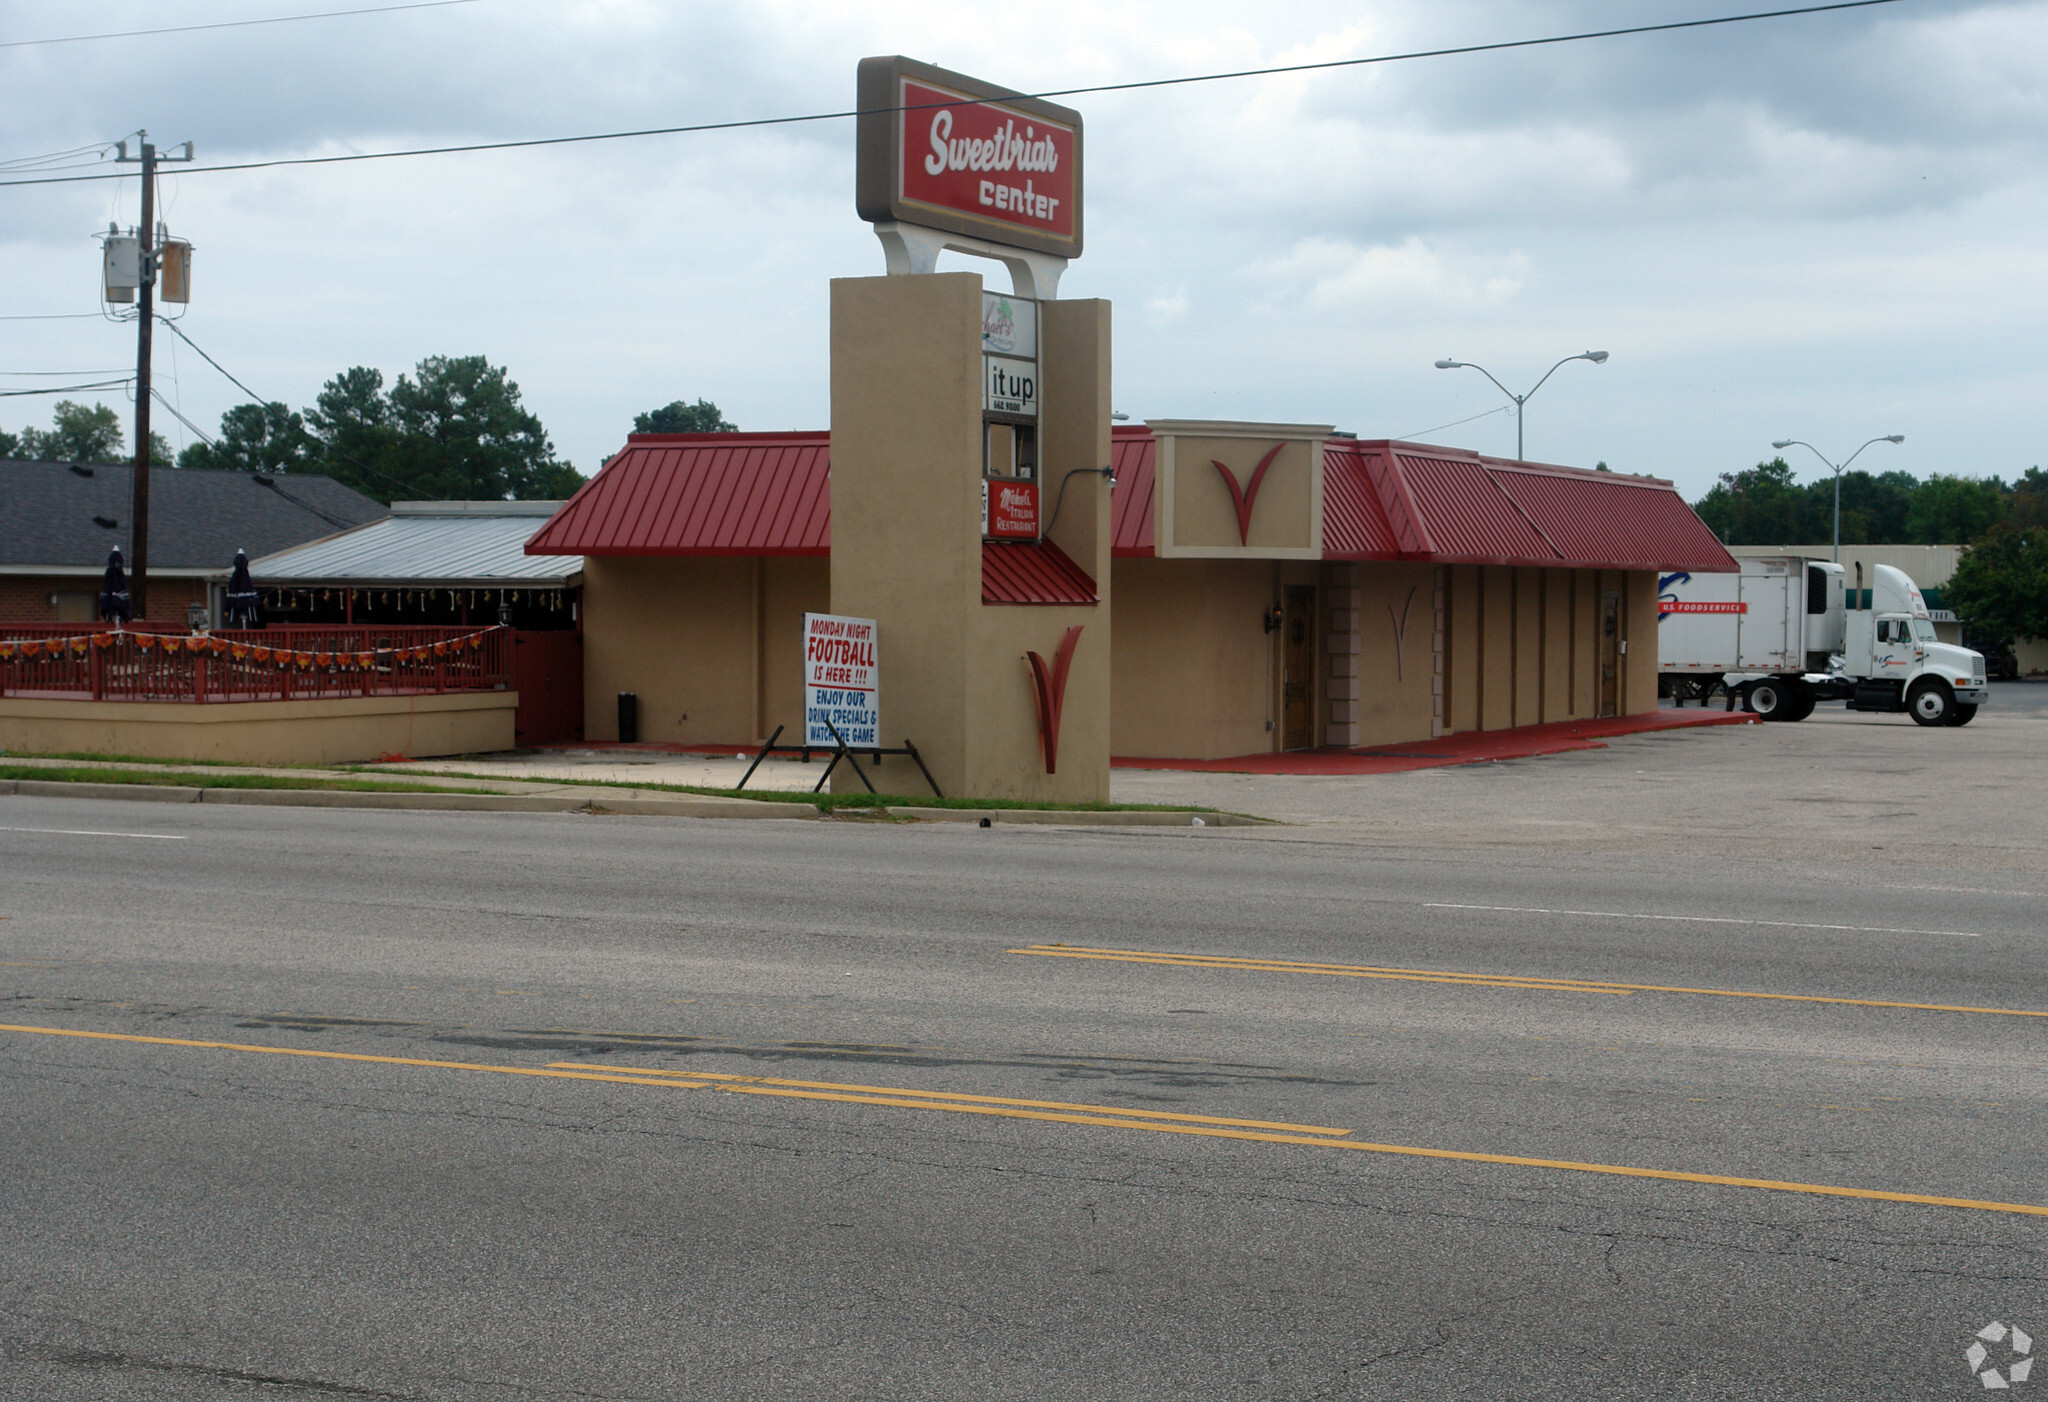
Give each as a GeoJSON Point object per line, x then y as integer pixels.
{"type": "Point", "coordinates": [969, 157]}
{"type": "Point", "coordinates": [841, 688]}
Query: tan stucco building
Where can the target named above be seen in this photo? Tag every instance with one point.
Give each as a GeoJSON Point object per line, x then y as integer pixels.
{"type": "Point", "coordinates": [1273, 587]}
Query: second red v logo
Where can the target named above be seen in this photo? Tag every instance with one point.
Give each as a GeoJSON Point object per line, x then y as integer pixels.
{"type": "Point", "coordinates": [1247, 496]}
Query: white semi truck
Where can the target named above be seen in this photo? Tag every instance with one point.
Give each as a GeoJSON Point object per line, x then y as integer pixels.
{"type": "Point", "coordinates": [1786, 633]}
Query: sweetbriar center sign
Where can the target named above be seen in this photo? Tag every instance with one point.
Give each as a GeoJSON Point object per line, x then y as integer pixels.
{"type": "Point", "coordinates": [950, 152]}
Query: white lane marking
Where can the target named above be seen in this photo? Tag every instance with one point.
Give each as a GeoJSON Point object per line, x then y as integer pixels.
{"type": "Point", "coordinates": [1704, 920]}
{"type": "Point", "coordinates": [95, 832]}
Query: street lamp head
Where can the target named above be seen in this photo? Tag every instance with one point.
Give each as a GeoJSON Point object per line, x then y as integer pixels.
{"type": "Point", "coordinates": [1450, 365]}
{"type": "Point", "coordinates": [1597, 357]}
{"type": "Point", "coordinates": [1781, 442]}
{"type": "Point", "coordinates": [1895, 438]}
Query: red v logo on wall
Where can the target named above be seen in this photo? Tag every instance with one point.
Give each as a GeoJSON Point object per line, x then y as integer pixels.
{"type": "Point", "coordinates": [1051, 695]}
{"type": "Point", "coordinates": [1247, 497]}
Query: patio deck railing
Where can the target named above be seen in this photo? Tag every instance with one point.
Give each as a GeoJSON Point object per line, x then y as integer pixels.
{"type": "Point", "coordinates": [302, 662]}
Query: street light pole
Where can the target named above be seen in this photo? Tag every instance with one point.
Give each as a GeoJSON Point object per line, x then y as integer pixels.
{"type": "Point", "coordinates": [1783, 443]}
{"type": "Point", "coordinates": [1597, 357]}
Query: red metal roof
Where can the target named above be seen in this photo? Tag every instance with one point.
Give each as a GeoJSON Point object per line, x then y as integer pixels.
{"type": "Point", "coordinates": [1387, 500]}
{"type": "Point", "coordinates": [700, 494]}
{"type": "Point", "coordinates": [1032, 573]}
{"type": "Point", "coordinates": [1130, 507]}
{"type": "Point", "coordinates": [769, 494]}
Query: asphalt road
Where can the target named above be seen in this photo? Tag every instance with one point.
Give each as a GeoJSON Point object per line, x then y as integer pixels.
{"type": "Point", "coordinates": [1074, 1177]}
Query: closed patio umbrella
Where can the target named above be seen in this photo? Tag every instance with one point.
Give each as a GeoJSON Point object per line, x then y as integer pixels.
{"type": "Point", "coordinates": [114, 606]}
{"type": "Point", "coordinates": [240, 604]}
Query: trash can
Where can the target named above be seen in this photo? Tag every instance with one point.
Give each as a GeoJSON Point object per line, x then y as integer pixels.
{"type": "Point", "coordinates": [629, 718]}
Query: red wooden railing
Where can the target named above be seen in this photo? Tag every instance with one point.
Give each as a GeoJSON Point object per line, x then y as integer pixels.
{"type": "Point", "coordinates": [154, 663]}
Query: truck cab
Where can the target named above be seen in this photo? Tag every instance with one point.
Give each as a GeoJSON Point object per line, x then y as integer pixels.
{"type": "Point", "coordinates": [1891, 659]}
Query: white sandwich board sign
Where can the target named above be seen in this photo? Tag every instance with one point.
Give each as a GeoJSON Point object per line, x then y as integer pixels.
{"type": "Point", "coordinates": [840, 682]}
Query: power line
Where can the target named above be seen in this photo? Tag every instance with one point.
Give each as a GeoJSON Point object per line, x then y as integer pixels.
{"type": "Point", "coordinates": [1410, 437]}
{"type": "Point", "coordinates": [348, 458]}
{"type": "Point", "coordinates": [752, 122]}
{"type": "Point", "coordinates": [232, 24]}
{"type": "Point", "coordinates": [55, 316]}
{"type": "Point", "coordinates": [67, 389]}
{"type": "Point", "coordinates": [179, 333]}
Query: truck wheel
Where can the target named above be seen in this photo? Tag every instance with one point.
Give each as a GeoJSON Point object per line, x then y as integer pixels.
{"type": "Point", "coordinates": [1962, 714]}
{"type": "Point", "coordinates": [1768, 700]}
{"type": "Point", "coordinates": [1930, 703]}
{"type": "Point", "coordinates": [1800, 703]}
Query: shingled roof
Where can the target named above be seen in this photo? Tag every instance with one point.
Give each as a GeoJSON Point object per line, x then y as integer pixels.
{"type": "Point", "coordinates": [63, 517]}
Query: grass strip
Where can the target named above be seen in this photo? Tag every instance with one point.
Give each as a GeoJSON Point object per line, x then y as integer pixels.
{"type": "Point", "coordinates": [84, 774]}
{"type": "Point", "coordinates": [827, 802]}
{"type": "Point", "coordinates": [98, 757]}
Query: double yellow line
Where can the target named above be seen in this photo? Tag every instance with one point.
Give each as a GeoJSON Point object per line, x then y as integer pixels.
{"type": "Point", "coordinates": [1542, 985]}
{"type": "Point", "coordinates": [1059, 1111]}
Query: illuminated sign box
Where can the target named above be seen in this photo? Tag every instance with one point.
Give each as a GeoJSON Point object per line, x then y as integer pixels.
{"type": "Point", "coordinates": [949, 152]}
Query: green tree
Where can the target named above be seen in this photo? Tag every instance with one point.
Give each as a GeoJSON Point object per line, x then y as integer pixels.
{"type": "Point", "coordinates": [462, 433]}
{"type": "Point", "coordinates": [2000, 586]}
{"type": "Point", "coordinates": [679, 417]}
{"type": "Point", "coordinates": [255, 438]}
{"type": "Point", "coordinates": [1954, 510]}
{"type": "Point", "coordinates": [2029, 503]}
{"type": "Point", "coordinates": [1874, 506]}
{"type": "Point", "coordinates": [76, 434]}
{"type": "Point", "coordinates": [1761, 505]}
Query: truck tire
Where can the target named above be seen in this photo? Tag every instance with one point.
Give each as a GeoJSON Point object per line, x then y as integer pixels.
{"type": "Point", "coordinates": [1930, 703]}
{"type": "Point", "coordinates": [1800, 702]}
{"type": "Point", "coordinates": [1768, 699]}
{"type": "Point", "coordinates": [1963, 714]}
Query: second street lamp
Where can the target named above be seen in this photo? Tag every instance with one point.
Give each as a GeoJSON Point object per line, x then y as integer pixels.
{"type": "Point", "coordinates": [1783, 443]}
{"type": "Point", "coordinates": [1597, 357]}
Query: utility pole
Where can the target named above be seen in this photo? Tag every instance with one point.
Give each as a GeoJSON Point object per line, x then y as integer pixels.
{"type": "Point", "coordinates": [138, 577]}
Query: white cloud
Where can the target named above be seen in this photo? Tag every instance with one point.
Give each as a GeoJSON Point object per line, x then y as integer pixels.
{"type": "Point", "coordinates": [1810, 226]}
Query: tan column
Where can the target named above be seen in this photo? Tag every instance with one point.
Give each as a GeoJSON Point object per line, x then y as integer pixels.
{"type": "Point", "coordinates": [1342, 643]}
{"type": "Point", "coordinates": [906, 535]}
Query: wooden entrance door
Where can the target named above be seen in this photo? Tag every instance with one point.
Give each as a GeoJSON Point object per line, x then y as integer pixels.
{"type": "Point", "coordinates": [1610, 653]}
{"type": "Point", "coordinates": [1298, 675]}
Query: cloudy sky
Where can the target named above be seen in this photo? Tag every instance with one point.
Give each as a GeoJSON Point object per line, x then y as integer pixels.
{"type": "Point", "coordinates": [1828, 227]}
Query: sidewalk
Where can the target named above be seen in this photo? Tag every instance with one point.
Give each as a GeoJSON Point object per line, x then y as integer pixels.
{"type": "Point", "coordinates": [1469, 747]}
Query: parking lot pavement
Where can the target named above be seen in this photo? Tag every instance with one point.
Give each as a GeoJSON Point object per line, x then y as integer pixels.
{"type": "Point", "coordinates": [1839, 788]}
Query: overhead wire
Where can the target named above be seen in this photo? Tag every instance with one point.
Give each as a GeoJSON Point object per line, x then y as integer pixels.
{"type": "Point", "coordinates": [233, 24]}
{"type": "Point", "coordinates": [68, 389]}
{"type": "Point", "coordinates": [1500, 46]}
{"type": "Point", "coordinates": [353, 461]}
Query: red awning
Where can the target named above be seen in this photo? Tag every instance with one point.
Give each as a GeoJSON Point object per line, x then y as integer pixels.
{"type": "Point", "coordinates": [1409, 501]}
{"type": "Point", "coordinates": [700, 494]}
{"type": "Point", "coordinates": [1033, 573]}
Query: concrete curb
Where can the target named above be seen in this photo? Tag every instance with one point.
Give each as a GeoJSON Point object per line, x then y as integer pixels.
{"type": "Point", "coordinates": [1081, 818]}
{"type": "Point", "coordinates": [685, 806]}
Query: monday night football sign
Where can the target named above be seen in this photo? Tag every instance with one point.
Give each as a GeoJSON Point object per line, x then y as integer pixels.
{"type": "Point", "coordinates": [949, 152]}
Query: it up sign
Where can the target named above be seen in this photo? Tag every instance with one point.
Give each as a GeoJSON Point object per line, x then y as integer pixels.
{"type": "Point", "coordinates": [841, 691]}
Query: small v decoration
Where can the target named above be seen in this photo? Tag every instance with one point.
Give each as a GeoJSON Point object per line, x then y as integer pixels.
{"type": "Point", "coordinates": [1051, 695]}
{"type": "Point", "coordinates": [1247, 497]}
